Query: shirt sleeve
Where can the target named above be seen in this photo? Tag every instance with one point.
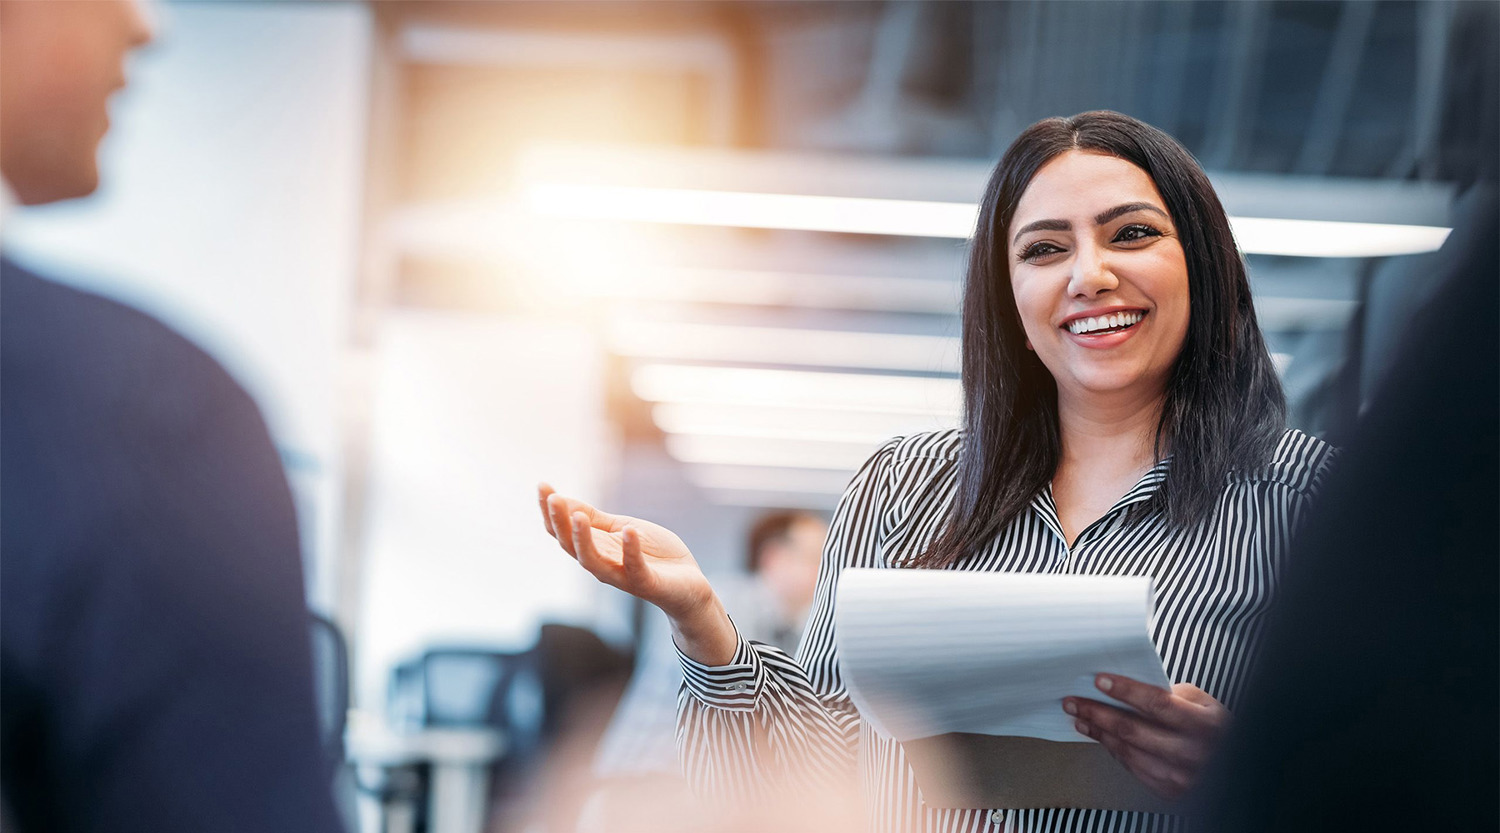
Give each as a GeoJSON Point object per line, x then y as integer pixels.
{"type": "Point", "coordinates": [766, 721]}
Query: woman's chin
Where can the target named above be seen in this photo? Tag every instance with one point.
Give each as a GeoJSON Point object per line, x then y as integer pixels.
{"type": "Point", "coordinates": [1116, 386]}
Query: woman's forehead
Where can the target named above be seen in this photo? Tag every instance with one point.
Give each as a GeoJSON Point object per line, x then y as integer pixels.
{"type": "Point", "coordinates": [1078, 185]}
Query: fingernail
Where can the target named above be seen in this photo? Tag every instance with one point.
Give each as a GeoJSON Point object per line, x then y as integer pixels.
{"type": "Point", "coordinates": [1069, 707]}
{"type": "Point", "coordinates": [1104, 684]}
{"type": "Point", "coordinates": [1083, 728]}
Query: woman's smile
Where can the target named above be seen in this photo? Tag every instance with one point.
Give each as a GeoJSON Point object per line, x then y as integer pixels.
{"type": "Point", "coordinates": [1103, 328]}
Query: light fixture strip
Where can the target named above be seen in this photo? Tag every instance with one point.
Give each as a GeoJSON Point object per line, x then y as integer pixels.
{"type": "Point", "coordinates": [685, 341]}
{"type": "Point", "coordinates": [867, 427]}
{"type": "Point", "coordinates": [730, 386]}
{"type": "Point", "coordinates": [757, 451]}
{"type": "Point", "coordinates": [919, 218]}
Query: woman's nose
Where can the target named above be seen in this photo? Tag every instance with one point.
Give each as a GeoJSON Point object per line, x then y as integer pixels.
{"type": "Point", "coordinates": [1091, 274]}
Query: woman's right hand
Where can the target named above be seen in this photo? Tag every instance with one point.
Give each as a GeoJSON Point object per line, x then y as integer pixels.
{"type": "Point", "coordinates": [647, 561]}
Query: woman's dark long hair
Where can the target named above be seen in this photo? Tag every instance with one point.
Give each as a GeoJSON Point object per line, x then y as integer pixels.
{"type": "Point", "coordinates": [1224, 406]}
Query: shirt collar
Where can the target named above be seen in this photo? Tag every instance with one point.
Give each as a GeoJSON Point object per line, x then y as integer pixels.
{"type": "Point", "coordinates": [1143, 489]}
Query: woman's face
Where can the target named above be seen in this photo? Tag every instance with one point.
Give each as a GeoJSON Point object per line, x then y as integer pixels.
{"type": "Point", "coordinates": [1099, 276]}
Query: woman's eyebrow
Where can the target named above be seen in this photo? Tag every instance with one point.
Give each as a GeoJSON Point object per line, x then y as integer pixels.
{"type": "Point", "coordinates": [1106, 216]}
{"type": "Point", "coordinates": [1043, 225]}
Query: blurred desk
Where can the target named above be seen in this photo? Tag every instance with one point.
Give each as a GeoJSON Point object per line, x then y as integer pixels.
{"type": "Point", "coordinates": [459, 759]}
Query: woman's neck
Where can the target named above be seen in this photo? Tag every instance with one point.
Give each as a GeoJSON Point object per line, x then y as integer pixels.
{"type": "Point", "coordinates": [1109, 434]}
{"type": "Point", "coordinates": [1108, 443]}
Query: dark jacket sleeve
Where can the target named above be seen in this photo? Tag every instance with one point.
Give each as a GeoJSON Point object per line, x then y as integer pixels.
{"type": "Point", "coordinates": [155, 641]}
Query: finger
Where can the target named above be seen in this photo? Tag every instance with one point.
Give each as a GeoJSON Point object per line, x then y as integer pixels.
{"type": "Point", "coordinates": [1133, 729]}
{"type": "Point", "coordinates": [598, 519]}
{"type": "Point", "coordinates": [583, 544]}
{"type": "Point", "coordinates": [1194, 695]}
{"type": "Point", "coordinates": [1160, 776]}
{"type": "Point", "coordinates": [1155, 703]}
{"type": "Point", "coordinates": [1205, 715]}
{"type": "Point", "coordinates": [557, 508]}
{"type": "Point", "coordinates": [631, 556]}
{"type": "Point", "coordinates": [544, 491]}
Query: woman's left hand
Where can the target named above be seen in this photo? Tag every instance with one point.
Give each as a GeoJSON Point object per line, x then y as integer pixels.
{"type": "Point", "coordinates": [1165, 742]}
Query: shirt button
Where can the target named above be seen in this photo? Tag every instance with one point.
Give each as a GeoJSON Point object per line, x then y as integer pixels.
{"type": "Point", "coordinates": [997, 817]}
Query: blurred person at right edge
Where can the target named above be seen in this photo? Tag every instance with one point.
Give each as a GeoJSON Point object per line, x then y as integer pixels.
{"type": "Point", "coordinates": [1375, 703]}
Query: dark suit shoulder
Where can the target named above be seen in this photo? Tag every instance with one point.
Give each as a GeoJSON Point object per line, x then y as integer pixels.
{"type": "Point", "coordinates": [64, 347]}
{"type": "Point", "coordinates": [152, 613]}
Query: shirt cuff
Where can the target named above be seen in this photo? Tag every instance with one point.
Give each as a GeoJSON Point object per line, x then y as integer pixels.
{"type": "Point", "coordinates": [734, 686]}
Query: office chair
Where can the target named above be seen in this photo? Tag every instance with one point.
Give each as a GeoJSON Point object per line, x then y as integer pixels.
{"type": "Point", "coordinates": [330, 665]}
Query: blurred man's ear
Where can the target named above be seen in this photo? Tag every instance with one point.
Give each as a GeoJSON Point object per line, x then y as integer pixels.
{"type": "Point", "coordinates": [59, 63]}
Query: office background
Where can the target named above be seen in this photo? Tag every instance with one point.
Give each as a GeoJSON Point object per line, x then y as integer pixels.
{"type": "Point", "coordinates": [455, 248]}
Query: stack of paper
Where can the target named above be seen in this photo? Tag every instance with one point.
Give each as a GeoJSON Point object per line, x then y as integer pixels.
{"type": "Point", "coordinates": [924, 652]}
{"type": "Point", "coordinates": [971, 656]}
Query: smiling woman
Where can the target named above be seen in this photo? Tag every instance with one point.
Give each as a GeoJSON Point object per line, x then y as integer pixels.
{"type": "Point", "coordinates": [1109, 215]}
{"type": "Point", "coordinates": [1121, 417]}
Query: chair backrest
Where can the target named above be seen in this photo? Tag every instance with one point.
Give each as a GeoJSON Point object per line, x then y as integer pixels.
{"type": "Point", "coordinates": [459, 687]}
{"type": "Point", "coordinates": [523, 694]}
{"type": "Point", "coordinates": [330, 654]}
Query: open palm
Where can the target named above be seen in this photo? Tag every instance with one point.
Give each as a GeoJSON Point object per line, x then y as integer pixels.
{"type": "Point", "coordinates": [645, 560]}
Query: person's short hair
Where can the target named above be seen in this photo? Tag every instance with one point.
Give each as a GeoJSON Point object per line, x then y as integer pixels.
{"type": "Point", "coordinates": [772, 527]}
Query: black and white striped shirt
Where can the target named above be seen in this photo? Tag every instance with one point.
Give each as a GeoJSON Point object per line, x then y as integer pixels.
{"type": "Point", "coordinates": [743, 729]}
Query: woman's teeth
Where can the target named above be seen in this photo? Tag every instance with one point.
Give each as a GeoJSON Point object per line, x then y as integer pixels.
{"type": "Point", "coordinates": [1117, 321]}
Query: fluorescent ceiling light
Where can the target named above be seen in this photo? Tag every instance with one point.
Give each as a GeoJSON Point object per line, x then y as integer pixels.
{"type": "Point", "coordinates": [762, 479]}
{"type": "Point", "coordinates": [792, 423]}
{"type": "Point", "coordinates": [918, 218]}
{"type": "Point", "coordinates": [772, 345]}
{"type": "Point", "coordinates": [758, 451]}
{"type": "Point", "coordinates": [797, 389]}
{"type": "Point", "coordinates": [939, 296]}
{"type": "Point", "coordinates": [745, 209]}
{"type": "Point", "coordinates": [1325, 238]}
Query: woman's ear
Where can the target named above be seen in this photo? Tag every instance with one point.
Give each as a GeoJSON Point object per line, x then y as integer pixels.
{"type": "Point", "coordinates": [1029, 347]}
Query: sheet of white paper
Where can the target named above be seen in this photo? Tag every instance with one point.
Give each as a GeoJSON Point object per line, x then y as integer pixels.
{"type": "Point", "coordinates": [926, 652]}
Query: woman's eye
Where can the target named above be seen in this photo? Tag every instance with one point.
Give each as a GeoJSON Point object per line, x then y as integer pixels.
{"type": "Point", "coordinates": [1135, 233]}
{"type": "Point", "coordinates": [1039, 250]}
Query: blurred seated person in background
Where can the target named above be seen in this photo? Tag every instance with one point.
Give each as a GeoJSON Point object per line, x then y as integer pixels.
{"type": "Point", "coordinates": [1122, 416]}
{"type": "Point", "coordinates": [770, 605]}
{"type": "Point", "coordinates": [154, 638]}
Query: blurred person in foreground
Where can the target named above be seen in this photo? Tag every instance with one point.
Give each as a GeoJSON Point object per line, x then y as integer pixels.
{"type": "Point", "coordinates": [1121, 417]}
{"type": "Point", "coordinates": [1375, 706]}
{"type": "Point", "coordinates": [154, 644]}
